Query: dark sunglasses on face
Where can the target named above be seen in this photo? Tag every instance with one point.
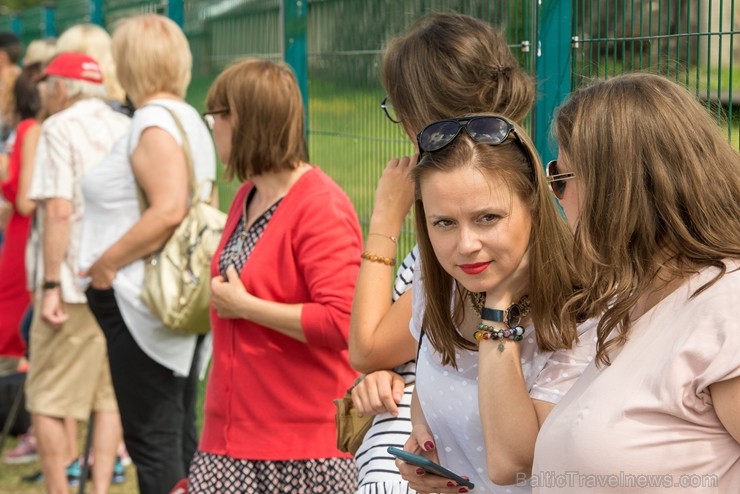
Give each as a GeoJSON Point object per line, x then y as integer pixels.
{"type": "Point", "coordinates": [557, 180]}
{"type": "Point", "coordinates": [487, 130]}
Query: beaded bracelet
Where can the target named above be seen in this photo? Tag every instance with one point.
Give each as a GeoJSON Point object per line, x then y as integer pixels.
{"type": "Point", "coordinates": [369, 256]}
{"type": "Point", "coordinates": [389, 237]}
{"type": "Point", "coordinates": [486, 332]}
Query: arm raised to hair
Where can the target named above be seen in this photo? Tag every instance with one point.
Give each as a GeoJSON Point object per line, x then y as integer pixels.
{"type": "Point", "coordinates": [379, 335]}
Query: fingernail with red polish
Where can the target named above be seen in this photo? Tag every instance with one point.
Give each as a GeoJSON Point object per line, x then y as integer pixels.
{"type": "Point", "coordinates": [429, 445]}
{"type": "Point", "coordinates": [420, 471]}
{"type": "Point", "coordinates": [451, 484]}
{"type": "Point", "coordinates": [462, 489]}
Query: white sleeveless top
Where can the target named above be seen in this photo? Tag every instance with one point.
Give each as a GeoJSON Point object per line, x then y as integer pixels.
{"type": "Point", "coordinates": [112, 208]}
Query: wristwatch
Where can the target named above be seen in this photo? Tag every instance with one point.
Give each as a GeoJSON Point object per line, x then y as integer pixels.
{"type": "Point", "coordinates": [511, 316]}
{"type": "Point", "coordinates": [50, 284]}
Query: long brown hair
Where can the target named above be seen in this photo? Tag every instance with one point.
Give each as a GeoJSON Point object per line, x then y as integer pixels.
{"type": "Point", "coordinates": [551, 274]}
{"type": "Point", "coordinates": [450, 64]}
{"type": "Point", "coordinates": [659, 180]}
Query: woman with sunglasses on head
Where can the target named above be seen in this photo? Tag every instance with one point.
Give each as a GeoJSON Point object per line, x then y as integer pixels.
{"type": "Point", "coordinates": [467, 53]}
{"type": "Point", "coordinates": [661, 260]}
{"type": "Point", "coordinates": [497, 352]}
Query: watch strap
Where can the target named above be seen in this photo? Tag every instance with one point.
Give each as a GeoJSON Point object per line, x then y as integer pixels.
{"type": "Point", "coordinates": [493, 315]}
{"type": "Point", "coordinates": [50, 284]}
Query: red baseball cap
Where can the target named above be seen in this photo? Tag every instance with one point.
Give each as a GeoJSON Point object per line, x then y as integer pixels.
{"type": "Point", "coordinates": [74, 65]}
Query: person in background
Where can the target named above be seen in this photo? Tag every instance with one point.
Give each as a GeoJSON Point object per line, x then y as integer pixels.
{"type": "Point", "coordinates": [96, 42]}
{"type": "Point", "coordinates": [40, 51]}
{"type": "Point", "coordinates": [14, 295]}
{"type": "Point", "coordinates": [27, 98]}
{"type": "Point", "coordinates": [11, 49]}
{"type": "Point", "coordinates": [467, 53]}
{"type": "Point", "coordinates": [284, 276]}
{"type": "Point", "coordinates": [154, 368]}
{"type": "Point", "coordinates": [657, 228]}
{"type": "Point", "coordinates": [69, 376]}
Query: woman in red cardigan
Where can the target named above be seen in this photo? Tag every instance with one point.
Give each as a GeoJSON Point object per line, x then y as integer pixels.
{"type": "Point", "coordinates": [281, 296]}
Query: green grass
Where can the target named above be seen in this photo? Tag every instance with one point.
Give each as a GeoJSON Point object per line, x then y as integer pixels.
{"type": "Point", "coordinates": [10, 476]}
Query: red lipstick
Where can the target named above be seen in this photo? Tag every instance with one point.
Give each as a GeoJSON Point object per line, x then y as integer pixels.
{"type": "Point", "coordinates": [476, 268]}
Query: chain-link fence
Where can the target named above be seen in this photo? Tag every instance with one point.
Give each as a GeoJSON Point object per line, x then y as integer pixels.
{"type": "Point", "coordinates": [564, 43]}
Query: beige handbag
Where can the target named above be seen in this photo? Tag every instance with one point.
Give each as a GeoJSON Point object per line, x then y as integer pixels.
{"type": "Point", "coordinates": [177, 278]}
{"type": "Point", "coordinates": [351, 428]}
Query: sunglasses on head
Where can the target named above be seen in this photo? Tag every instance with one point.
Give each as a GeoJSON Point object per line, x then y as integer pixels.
{"type": "Point", "coordinates": [487, 130]}
{"type": "Point", "coordinates": [557, 180]}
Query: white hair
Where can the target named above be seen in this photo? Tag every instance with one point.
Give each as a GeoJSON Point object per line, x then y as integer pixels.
{"type": "Point", "coordinates": [77, 89]}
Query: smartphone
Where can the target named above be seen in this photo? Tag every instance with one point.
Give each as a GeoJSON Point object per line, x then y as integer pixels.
{"type": "Point", "coordinates": [429, 466]}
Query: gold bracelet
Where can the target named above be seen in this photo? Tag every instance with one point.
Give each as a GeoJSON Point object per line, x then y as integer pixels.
{"type": "Point", "coordinates": [369, 256]}
{"type": "Point", "coordinates": [389, 237]}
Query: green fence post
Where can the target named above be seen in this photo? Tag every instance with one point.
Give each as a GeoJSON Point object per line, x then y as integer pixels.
{"type": "Point", "coordinates": [96, 12]}
{"type": "Point", "coordinates": [16, 25]}
{"type": "Point", "coordinates": [295, 30]}
{"type": "Point", "coordinates": [50, 20]}
{"type": "Point", "coordinates": [553, 68]}
{"type": "Point", "coordinates": [176, 11]}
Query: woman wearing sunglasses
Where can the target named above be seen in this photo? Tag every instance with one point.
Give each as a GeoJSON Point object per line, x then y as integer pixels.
{"type": "Point", "coordinates": [660, 402]}
{"type": "Point", "coordinates": [496, 349]}
{"type": "Point", "coordinates": [467, 53]}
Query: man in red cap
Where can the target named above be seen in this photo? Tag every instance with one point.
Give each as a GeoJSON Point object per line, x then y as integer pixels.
{"type": "Point", "coordinates": [69, 374]}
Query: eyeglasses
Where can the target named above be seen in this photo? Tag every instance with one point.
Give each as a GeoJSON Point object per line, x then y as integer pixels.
{"type": "Point", "coordinates": [390, 112]}
{"type": "Point", "coordinates": [487, 130]}
{"type": "Point", "coordinates": [210, 118]}
{"type": "Point", "coordinates": [557, 179]}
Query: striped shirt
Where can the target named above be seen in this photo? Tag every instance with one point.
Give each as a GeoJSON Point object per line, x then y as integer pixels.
{"type": "Point", "coordinates": [378, 472]}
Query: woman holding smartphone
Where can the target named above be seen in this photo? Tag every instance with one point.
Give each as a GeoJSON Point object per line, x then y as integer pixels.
{"type": "Point", "coordinates": [497, 352]}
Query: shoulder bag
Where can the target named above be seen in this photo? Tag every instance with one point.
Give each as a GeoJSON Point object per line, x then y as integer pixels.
{"type": "Point", "coordinates": [177, 278]}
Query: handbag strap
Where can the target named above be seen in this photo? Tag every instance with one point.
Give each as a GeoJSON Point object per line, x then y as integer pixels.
{"type": "Point", "coordinates": [188, 159]}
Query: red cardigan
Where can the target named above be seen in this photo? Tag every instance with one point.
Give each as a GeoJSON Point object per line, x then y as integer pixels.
{"type": "Point", "coordinates": [269, 397]}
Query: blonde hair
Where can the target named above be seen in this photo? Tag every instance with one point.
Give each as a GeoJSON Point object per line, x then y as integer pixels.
{"type": "Point", "coordinates": [264, 105]}
{"type": "Point", "coordinates": [152, 56]}
{"type": "Point", "coordinates": [451, 64]}
{"type": "Point", "coordinates": [659, 179]}
{"type": "Point", "coordinates": [40, 51]}
{"type": "Point", "coordinates": [94, 41]}
{"type": "Point", "coordinates": [552, 276]}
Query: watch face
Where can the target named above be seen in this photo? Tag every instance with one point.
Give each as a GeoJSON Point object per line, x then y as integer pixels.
{"type": "Point", "coordinates": [513, 315]}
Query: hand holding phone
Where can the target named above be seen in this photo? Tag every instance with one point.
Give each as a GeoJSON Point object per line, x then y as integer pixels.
{"type": "Point", "coordinates": [429, 466]}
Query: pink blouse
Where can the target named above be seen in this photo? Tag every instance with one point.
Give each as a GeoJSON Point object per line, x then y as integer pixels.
{"type": "Point", "coordinates": [646, 423]}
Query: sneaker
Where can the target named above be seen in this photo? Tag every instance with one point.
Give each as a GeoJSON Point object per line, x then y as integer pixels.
{"type": "Point", "coordinates": [119, 472]}
{"type": "Point", "coordinates": [74, 472]}
{"type": "Point", "coordinates": [73, 475]}
{"type": "Point", "coordinates": [24, 452]}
